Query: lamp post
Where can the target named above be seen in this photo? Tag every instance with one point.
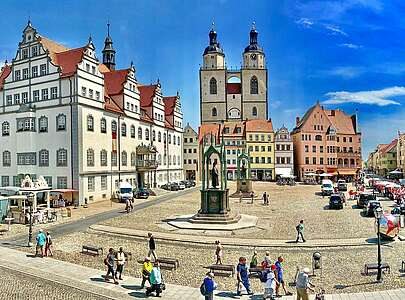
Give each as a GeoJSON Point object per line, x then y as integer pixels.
{"type": "Point", "coordinates": [378, 214]}
{"type": "Point", "coordinates": [30, 198]}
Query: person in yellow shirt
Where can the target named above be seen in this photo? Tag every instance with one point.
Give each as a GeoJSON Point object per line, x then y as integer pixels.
{"type": "Point", "coordinates": [146, 270]}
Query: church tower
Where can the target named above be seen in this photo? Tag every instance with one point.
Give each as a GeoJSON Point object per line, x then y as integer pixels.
{"type": "Point", "coordinates": [108, 51]}
{"type": "Point", "coordinates": [254, 80]}
{"type": "Point", "coordinates": [213, 106]}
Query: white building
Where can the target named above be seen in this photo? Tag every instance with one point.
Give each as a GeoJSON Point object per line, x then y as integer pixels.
{"type": "Point", "coordinates": [82, 124]}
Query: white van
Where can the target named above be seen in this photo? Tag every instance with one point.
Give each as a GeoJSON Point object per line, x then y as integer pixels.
{"type": "Point", "coordinates": [327, 187]}
{"type": "Point", "coordinates": [125, 191]}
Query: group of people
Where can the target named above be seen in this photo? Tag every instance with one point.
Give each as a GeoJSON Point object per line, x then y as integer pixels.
{"type": "Point", "coordinates": [115, 261]}
{"type": "Point", "coordinates": [43, 244]}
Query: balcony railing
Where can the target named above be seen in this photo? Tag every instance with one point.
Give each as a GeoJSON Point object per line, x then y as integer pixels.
{"type": "Point", "coordinates": [146, 164]}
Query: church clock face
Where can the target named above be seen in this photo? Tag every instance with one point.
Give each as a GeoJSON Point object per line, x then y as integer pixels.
{"type": "Point", "coordinates": [253, 56]}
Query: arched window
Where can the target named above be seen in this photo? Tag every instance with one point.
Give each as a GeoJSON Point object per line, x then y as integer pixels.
{"type": "Point", "coordinates": [133, 159]}
{"type": "Point", "coordinates": [214, 112]}
{"type": "Point", "coordinates": [254, 111]}
{"type": "Point", "coordinates": [346, 161]}
{"type": "Point", "coordinates": [213, 86]}
{"type": "Point", "coordinates": [90, 158]}
{"type": "Point", "coordinates": [60, 122]}
{"type": "Point", "coordinates": [174, 140]}
{"type": "Point", "coordinates": [61, 158]}
{"type": "Point", "coordinates": [124, 129]}
{"type": "Point", "coordinates": [6, 158]}
{"type": "Point", "coordinates": [318, 137]}
{"type": "Point", "coordinates": [5, 128]}
{"type": "Point", "coordinates": [114, 127]}
{"type": "Point", "coordinates": [174, 160]}
{"type": "Point", "coordinates": [159, 136]}
{"type": "Point", "coordinates": [147, 134]}
{"type": "Point", "coordinates": [178, 140]}
{"type": "Point", "coordinates": [139, 133]}
{"type": "Point", "coordinates": [103, 125]}
{"type": "Point", "coordinates": [254, 87]}
{"type": "Point", "coordinates": [164, 138]}
{"type": "Point", "coordinates": [352, 162]}
{"type": "Point", "coordinates": [178, 160]}
{"type": "Point", "coordinates": [132, 131]}
{"type": "Point", "coordinates": [90, 123]}
{"type": "Point", "coordinates": [44, 158]}
{"type": "Point", "coordinates": [103, 158]}
{"type": "Point", "coordinates": [159, 159]}
{"type": "Point", "coordinates": [153, 135]}
{"type": "Point", "coordinates": [124, 158]}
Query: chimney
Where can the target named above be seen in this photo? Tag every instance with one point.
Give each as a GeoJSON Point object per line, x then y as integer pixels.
{"type": "Point", "coordinates": [297, 121]}
{"type": "Point", "coordinates": [332, 112]}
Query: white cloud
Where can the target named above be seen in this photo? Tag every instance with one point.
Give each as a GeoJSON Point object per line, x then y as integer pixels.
{"type": "Point", "coordinates": [346, 72]}
{"type": "Point", "coordinates": [378, 97]}
{"type": "Point", "coordinates": [305, 22]}
{"type": "Point", "coordinates": [335, 30]}
{"type": "Point", "coordinates": [351, 46]}
{"type": "Point", "coordinates": [275, 104]}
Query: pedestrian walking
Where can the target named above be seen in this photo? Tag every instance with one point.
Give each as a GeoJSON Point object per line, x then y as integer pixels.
{"type": "Point", "coordinates": [253, 261]}
{"type": "Point", "coordinates": [152, 247]}
{"type": "Point", "coordinates": [242, 276]}
{"type": "Point", "coordinates": [266, 263]}
{"type": "Point", "coordinates": [270, 282]}
{"type": "Point", "coordinates": [265, 198]}
{"type": "Point", "coordinates": [155, 280]}
{"type": "Point", "coordinates": [120, 264]}
{"type": "Point", "coordinates": [208, 286]}
{"type": "Point", "coordinates": [303, 285]}
{"type": "Point", "coordinates": [219, 252]}
{"type": "Point", "coordinates": [280, 277]}
{"type": "Point", "coordinates": [109, 261]}
{"type": "Point", "coordinates": [252, 195]}
{"type": "Point", "coordinates": [300, 231]}
{"type": "Point", "coordinates": [240, 196]}
{"type": "Point", "coordinates": [146, 270]}
{"type": "Point", "coordinates": [41, 240]}
{"type": "Point", "coordinates": [48, 245]}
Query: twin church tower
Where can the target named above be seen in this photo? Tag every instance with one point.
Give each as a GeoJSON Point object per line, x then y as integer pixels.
{"type": "Point", "coordinates": [233, 95]}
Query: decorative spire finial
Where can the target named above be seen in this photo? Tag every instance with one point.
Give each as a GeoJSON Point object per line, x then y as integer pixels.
{"type": "Point", "coordinates": [253, 25]}
{"type": "Point", "coordinates": [132, 63]}
{"type": "Point", "coordinates": [213, 25]}
{"type": "Point", "coordinates": [90, 39]}
{"type": "Point", "coordinates": [108, 28]}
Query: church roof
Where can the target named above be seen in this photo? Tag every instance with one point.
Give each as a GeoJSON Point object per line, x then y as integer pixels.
{"type": "Point", "coordinates": [147, 92]}
{"type": "Point", "coordinates": [5, 71]}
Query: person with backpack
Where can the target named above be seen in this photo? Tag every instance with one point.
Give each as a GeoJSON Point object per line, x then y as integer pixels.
{"type": "Point", "coordinates": [300, 231]}
{"type": "Point", "coordinates": [208, 286]}
{"type": "Point", "coordinates": [156, 280]}
{"type": "Point", "coordinates": [268, 278]}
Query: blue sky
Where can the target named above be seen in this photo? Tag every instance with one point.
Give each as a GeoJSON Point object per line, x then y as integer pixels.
{"type": "Point", "coordinates": [348, 54]}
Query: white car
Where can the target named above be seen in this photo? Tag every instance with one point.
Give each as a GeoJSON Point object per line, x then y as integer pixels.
{"type": "Point", "coordinates": [182, 186]}
{"type": "Point", "coordinates": [327, 187]}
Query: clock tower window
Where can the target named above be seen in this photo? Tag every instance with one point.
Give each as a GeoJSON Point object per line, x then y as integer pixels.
{"type": "Point", "coordinates": [213, 86]}
{"type": "Point", "coordinates": [254, 88]}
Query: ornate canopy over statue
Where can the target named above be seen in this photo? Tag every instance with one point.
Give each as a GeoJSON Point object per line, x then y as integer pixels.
{"type": "Point", "coordinates": [243, 166]}
{"type": "Point", "coordinates": [212, 178]}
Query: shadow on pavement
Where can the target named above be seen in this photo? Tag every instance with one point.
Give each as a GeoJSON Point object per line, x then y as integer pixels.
{"type": "Point", "coordinates": [138, 295]}
{"type": "Point", "coordinates": [31, 255]}
{"type": "Point", "coordinates": [131, 287]}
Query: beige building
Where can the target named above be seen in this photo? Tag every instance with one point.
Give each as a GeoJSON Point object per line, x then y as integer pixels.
{"type": "Point", "coordinates": [401, 152]}
{"type": "Point", "coordinates": [284, 153]}
{"type": "Point", "coordinates": [230, 94]}
{"type": "Point", "coordinates": [190, 153]}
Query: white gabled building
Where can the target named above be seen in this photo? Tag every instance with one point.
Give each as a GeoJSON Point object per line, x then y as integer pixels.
{"type": "Point", "coordinates": [82, 124]}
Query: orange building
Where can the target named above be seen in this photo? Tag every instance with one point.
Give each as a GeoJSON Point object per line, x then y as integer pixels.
{"type": "Point", "coordinates": [327, 141]}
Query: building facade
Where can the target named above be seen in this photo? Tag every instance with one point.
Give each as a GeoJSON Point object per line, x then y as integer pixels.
{"type": "Point", "coordinates": [327, 141]}
{"type": "Point", "coordinates": [284, 152]}
{"type": "Point", "coordinates": [81, 123]}
{"type": "Point", "coordinates": [401, 152]}
{"type": "Point", "coordinates": [191, 153]}
{"type": "Point", "coordinates": [233, 95]}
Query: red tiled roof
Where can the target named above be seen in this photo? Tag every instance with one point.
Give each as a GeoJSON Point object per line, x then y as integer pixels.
{"type": "Point", "coordinates": [205, 129]}
{"type": "Point", "coordinates": [5, 71]}
{"type": "Point", "coordinates": [111, 105]}
{"type": "Point", "coordinates": [147, 93]}
{"type": "Point", "coordinates": [389, 147]}
{"type": "Point", "coordinates": [233, 88]}
{"type": "Point", "coordinates": [341, 121]}
{"type": "Point", "coordinates": [114, 81]}
{"type": "Point", "coordinates": [170, 103]}
{"type": "Point", "coordinates": [68, 60]}
{"type": "Point", "coordinates": [168, 124]}
{"type": "Point", "coordinates": [103, 68]}
{"type": "Point", "coordinates": [145, 117]}
{"type": "Point", "coordinates": [259, 126]}
{"type": "Point", "coordinates": [231, 128]}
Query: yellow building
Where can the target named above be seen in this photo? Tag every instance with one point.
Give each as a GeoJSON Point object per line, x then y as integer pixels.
{"type": "Point", "coordinates": [260, 146]}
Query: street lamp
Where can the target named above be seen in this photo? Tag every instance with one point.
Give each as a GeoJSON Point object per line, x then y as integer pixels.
{"type": "Point", "coordinates": [30, 198]}
{"type": "Point", "coordinates": [378, 212]}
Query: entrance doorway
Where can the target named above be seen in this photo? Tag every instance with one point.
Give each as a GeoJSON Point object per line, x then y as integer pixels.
{"type": "Point", "coordinates": [260, 175]}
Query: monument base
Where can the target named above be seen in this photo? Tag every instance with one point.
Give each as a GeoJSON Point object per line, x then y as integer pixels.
{"type": "Point", "coordinates": [244, 186]}
{"type": "Point", "coordinates": [227, 218]}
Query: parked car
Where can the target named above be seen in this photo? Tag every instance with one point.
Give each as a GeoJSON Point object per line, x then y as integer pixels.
{"type": "Point", "coordinates": [174, 186]}
{"type": "Point", "coordinates": [336, 201]}
{"type": "Point", "coordinates": [181, 185]}
{"type": "Point", "coordinates": [141, 194]}
{"type": "Point", "coordinates": [191, 183]}
{"type": "Point", "coordinates": [327, 187]}
{"type": "Point", "coordinates": [370, 208]}
{"type": "Point", "coordinates": [363, 199]}
{"type": "Point", "coordinates": [186, 183]}
{"type": "Point", "coordinates": [342, 185]}
{"type": "Point", "coordinates": [165, 186]}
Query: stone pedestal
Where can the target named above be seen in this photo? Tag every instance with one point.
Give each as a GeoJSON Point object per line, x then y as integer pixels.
{"type": "Point", "coordinates": [215, 208]}
{"type": "Point", "coordinates": [244, 185]}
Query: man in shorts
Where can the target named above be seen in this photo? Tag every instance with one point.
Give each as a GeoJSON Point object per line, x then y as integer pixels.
{"type": "Point", "coordinates": [280, 277]}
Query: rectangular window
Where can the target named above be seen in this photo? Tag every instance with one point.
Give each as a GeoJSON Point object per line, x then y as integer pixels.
{"type": "Point", "coordinates": [87, 68]}
{"type": "Point", "coordinates": [103, 182]}
{"type": "Point", "coordinates": [306, 148]}
{"type": "Point", "coordinates": [54, 92]}
{"type": "Point", "coordinates": [48, 180]}
{"type": "Point", "coordinates": [307, 160]}
{"type": "Point", "coordinates": [34, 71]}
{"type": "Point", "coordinates": [25, 73]}
{"type": "Point", "coordinates": [17, 75]}
{"type": "Point", "coordinates": [61, 182]}
{"type": "Point", "coordinates": [24, 97]}
{"type": "Point", "coordinates": [25, 124]}
{"type": "Point", "coordinates": [313, 149]}
{"type": "Point", "coordinates": [257, 148]}
{"type": "Point", "coordinates": [34, 51]}
{"type": "Point", "coordinates": [314, 160]}
{"type": "Point", "coordinates": [17, 99]}
{"type": "Point", "coordinates": [5, 180]}
{"type": "Point", "coordinates": [24, 53]}
{"type": "Point", "coordinates": [321, 160]}
{"type": "Point", "coordinates": [9, 99]}
{"type": "Point", "coordinates": [321, 149]}
{"type": "Point", "coordinates": [42, 69]}
{"type": "Point", "coordinates": [93, 69]}
{"type": "Point", "coordinates": [97, 95]}
{"type": "Point", "coordinates": [263, 148]}
{"type": "Point", "coordinates": [90, 184]}
{"type": "Point", "coordinates": [256, 160]}
{"type": "Point", "coordinates": [84, 91]}
{"type": "Point", "coordinates": [26, 158]}
{"type": "Point", "coordinates": [113, 159]}
{"type": "Point", "coordinates": [262, 137]}
{"type": "Point", "coordinates": [35, 95]}
{"type": "Point", "coordinates": [91, 93]}
{"type": "Point", "coordinates": [44, 94]}
{"type": "Point", "coordinates": [269, 160]}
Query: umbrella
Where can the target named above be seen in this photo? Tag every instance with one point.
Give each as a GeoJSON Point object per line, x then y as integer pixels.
{"type": "Point", "coordinates": [395, 172]}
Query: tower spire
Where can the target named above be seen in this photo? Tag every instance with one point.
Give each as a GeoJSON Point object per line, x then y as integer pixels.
{"type": "Point", "coordinates": [109, 51]}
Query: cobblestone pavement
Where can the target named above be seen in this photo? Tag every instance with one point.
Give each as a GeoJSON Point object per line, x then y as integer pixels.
{"type": "Point", "coordinates": [18, 285]}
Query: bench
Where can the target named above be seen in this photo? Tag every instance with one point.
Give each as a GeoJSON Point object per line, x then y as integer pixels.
{"type": "Point", "coordinates": [255, 272]}
{"type": "Point", "coordinates": [92, 250]}
{"type": "Point", "coordinates": [384, 266]}
{"type": "Point", "coordinates": [168, 263]}
{"type": "Point", "coordinates": [222, 270]}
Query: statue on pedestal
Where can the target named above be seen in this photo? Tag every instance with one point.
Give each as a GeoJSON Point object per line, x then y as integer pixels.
{"type": "Point", "coordinates": [214, 175]}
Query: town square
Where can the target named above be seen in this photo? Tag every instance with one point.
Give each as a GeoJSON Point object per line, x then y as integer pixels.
{"type": "Point", "coordinates": [247, 150]}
